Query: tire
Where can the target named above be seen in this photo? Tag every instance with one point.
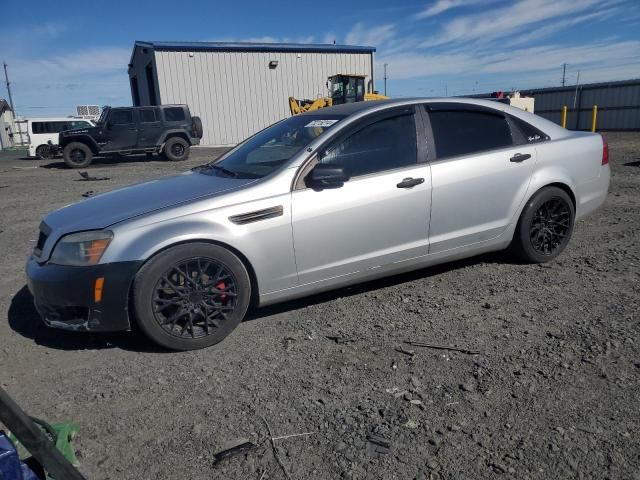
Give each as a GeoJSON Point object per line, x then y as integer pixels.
{"type": "Point", "coordinates": [180, 314]}
{"type": "Point", "coordinates": [176, 149]}
{"type": "Point", "coordinates": [77, 155]}
{"type": "Point", "coordinates": [196, 127]}
{"type": "Point", "coordinates": [44, 152]}
{"type": "Point", "coordinates": [545, 226]}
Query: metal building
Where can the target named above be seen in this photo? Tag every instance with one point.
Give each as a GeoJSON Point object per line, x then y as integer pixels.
{"type": "Point", "coordinates": [618, 104]}
{"type": "Point", "coordinates": [6, 125]}
{"type": "Point", "coordinates": [238, 88]}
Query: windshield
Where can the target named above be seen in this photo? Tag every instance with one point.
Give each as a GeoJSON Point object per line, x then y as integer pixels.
{"type": "Point", "coordinates": [269, 149]}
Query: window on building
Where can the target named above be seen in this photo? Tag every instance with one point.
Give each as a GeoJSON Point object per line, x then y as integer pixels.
{"type": "Point", "coordinates": [174, 114]}
{"type": "Point", "coordinates": [384, 145]}
{"type": "Point", "coordinates": [462, 132]}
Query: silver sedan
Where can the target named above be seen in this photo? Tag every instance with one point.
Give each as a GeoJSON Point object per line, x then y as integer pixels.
{"type": "Point", "coordinates": [315, 202]}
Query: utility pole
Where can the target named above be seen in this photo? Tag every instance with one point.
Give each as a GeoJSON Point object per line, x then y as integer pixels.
{"type": "Point", "coordinates": [575, 96]}
{"type": "Point", "coordinates": [385, 78]}
{"type": "Point", "coordinates": [564, 73]}
{"type": "Point", "coordinates": [6, 77]}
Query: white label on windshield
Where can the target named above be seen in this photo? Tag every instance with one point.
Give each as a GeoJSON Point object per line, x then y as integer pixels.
{"type": "Point", "coordinates": [321, 123]}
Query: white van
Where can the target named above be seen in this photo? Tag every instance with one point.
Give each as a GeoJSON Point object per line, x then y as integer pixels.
{"type": "Point", "coordinates": [41, 130]}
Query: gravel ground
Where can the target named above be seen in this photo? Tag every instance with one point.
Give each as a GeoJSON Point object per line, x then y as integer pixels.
{"type": "Point", "coordinates": [552, 393]}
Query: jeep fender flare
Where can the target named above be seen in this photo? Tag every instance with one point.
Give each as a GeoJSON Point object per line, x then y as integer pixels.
{"type": "Point", "coordinates": [173, 133]}
{"type": "Point", "coordinates": [88, 140]}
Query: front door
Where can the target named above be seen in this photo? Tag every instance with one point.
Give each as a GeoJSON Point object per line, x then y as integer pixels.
{"type": "Point", "coordinates": [122, 132]}
{"type": "Point", "coordinates": [378, 217]}
{"type": "Point", "coordinates": [480, 175]}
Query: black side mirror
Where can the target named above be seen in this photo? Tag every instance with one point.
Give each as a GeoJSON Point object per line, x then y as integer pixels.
{"type": "Point", "coordinates": [326, 176]}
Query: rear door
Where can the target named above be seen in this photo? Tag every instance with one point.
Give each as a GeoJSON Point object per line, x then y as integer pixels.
{"type": "Point", "coordinates": [122, 130]}
{"type": "Point", "coordinates": [481, 174]}
{"type": "Point", "coordinates": [379, 216]}
{"type": "Point", "coordinates": [149, 127]}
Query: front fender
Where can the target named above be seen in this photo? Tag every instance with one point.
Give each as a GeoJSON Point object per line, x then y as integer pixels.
{"type": "Point", "coordinates": [267, 245]}
{"type": "Point", "coordinates": [86, 139]}
{"type": "Point", "coordinates": [145, 242]}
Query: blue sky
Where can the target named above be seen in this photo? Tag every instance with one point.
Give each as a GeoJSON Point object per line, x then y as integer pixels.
{"type": "Point", "coordinates": [65, 53]}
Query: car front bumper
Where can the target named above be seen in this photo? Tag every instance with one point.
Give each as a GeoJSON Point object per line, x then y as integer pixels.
{"type": "Point", "coordinates": [65, 296]}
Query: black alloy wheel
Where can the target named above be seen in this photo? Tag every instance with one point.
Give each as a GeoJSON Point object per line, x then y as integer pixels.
{"type": "Point", "coordinates": [193, 298]}
{"type": "Point", "coordinates": [545, 225]}
{"type": "Point", "coordinates": [191, 295]}
{"type": "Point", "coordinates": [550, 226]}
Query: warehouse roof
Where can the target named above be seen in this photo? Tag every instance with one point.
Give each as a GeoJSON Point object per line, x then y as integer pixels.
{"type": "Point", "coordinates": [256, 47]}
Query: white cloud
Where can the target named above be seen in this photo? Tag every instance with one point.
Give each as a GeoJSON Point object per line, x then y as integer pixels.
{"type": "Point", "coordinates": [524, 14]}
{"type": "Point", "coordinates": [267, 39]}
{"type": "Point", "coordinates": [54, 85]}
{"type": "Point", "coordinates": [360, 34]}
{"type": "Point", "coordinates": [441, 6]}
{"type": "Point", "coordinates": [514, 62]}
{"type": "Point", "coordinates": [71, 65]}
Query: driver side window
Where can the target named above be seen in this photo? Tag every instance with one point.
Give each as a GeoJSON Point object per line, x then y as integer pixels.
{"type": "Point", "coordinates": [384, 145]}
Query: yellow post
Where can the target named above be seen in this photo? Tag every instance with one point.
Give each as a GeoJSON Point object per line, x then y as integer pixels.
{"type": "Point", "coordinates": [564, 117]}
{"type": "Point", "coordinates": [594, 115]}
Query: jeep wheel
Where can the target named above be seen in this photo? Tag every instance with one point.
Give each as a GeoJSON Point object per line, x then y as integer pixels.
{"type": "Point", "coordinates": [44, 152]}
{"type": "Point", "coordinates": [77, 155]}
{"type": "Point", "coordinates": [176, 149]}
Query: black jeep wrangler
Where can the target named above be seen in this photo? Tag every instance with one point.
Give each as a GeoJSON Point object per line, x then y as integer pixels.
{"type": "Point", "coordinates": [169, 130]}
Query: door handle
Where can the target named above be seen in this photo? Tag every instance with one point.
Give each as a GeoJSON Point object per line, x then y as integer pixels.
{"type": "Point", "coordinates": [133, 129]}
{"type": "Point", "coordinates": [410, 182]}
{"type": "Point", "coordinates": [520, 157]}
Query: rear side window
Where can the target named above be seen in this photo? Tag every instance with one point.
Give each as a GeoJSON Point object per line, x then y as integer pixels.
{"type": "Point", "coordinates": [121, 117]}
{"type": "Point", "coordinates": [525, 133]}
{"type": "Point", "coordinates": [384, 145]}
{"type": "Point", "coordinates": [174, 114]}
{"type": "Point", "coordinates": [147, 115]}
{"type": "Point", "coordinates": [462, 132]}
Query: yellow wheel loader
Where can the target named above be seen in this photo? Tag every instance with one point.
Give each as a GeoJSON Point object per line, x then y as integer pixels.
{"type": "Point", "coordinates": [343, 88]}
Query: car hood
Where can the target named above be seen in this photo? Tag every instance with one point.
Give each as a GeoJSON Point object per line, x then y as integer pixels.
{"type": "Point", "coordinates": [122, 204]}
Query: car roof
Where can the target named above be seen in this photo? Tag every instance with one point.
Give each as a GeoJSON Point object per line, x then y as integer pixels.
{"type": "Point", "coordinates": [358, 109]}
{"type": "Point", "coordinates": [56, 119]}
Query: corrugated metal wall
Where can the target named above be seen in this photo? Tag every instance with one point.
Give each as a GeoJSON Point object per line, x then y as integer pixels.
{"type": "Point", "coordinates": [618, 105]}
{"type": "Point", "coordinates": [236, 93]}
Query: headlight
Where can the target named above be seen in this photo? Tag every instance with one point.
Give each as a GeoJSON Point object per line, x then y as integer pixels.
{"type": "Point", "coordinates": [80, 249]}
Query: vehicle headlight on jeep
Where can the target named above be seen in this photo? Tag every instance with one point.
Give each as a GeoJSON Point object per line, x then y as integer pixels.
{"type": "Point", "coordinates": [81, 249]}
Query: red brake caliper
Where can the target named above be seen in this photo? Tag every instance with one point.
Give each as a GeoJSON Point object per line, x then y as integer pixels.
{"type": "Point", "coordinates": [222, 286]}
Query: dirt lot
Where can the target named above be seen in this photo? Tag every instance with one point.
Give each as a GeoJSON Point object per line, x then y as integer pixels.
{"type": "Point", "coordinates": [553, 392]}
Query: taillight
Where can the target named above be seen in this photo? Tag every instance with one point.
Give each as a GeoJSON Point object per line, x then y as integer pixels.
{"type": "Point", "coordinates": [605, 152]}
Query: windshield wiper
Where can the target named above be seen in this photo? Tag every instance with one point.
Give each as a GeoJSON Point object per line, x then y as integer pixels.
{"type": "Point", "coordinates": [221, 169]}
